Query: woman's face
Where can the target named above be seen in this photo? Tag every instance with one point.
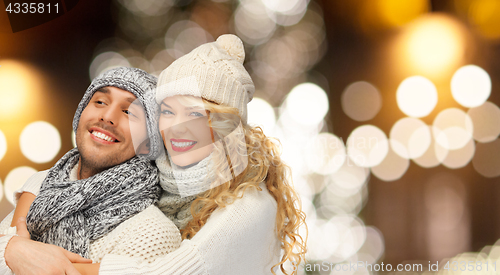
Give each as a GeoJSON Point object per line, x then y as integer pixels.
{"type": "Point", "coordinates": [185, 129]}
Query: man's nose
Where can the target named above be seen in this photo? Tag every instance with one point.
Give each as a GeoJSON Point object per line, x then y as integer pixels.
{"type": "Point", "coordinates": [110, 115]}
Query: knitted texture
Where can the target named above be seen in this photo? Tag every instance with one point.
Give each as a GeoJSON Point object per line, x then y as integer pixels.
{"type": "Point", "coordinates": [213, 71]}
{"type": "Point", "coordinates": [180, 188]}
{"type": "Point", "coordinates": [70, 214]}
{"type": "Point", "coordinates": [145, 237]}
{"type": "Point", "coordinates": [139, 83]}
{"type": "Point", "coordinates": [237, 239]}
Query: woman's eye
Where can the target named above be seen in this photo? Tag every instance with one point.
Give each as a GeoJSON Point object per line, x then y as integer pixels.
{"type": "Point", "coordinates": [99, 102]}
{"type": "Point", "coordinates": [197, 114]}
{"type": "Point", "coordinates": [128, 112]}
{"type": "Point", "coordinates": [166, 112]}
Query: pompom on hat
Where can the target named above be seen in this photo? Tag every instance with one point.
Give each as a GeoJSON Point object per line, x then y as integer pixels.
{"type": "Point", "coordinates": [139, 83]}
{"type": "Point", "coordinates": [213, 71]}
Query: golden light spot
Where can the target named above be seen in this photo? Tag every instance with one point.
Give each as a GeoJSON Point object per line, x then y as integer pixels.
{"type": "Point", "coordinates": [431, 46]}
{"type": "Point", "coordinates": [18, 83]}
{"type": "Point", "coordinates": [397, 12]}
{"type": "Point", "coordinates": [484, 15]}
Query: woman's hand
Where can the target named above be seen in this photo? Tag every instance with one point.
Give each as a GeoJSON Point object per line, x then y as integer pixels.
{"type": "Point", "coordinates": [87, 269]}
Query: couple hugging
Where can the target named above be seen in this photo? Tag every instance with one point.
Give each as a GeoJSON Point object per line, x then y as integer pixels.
{"type": "Point", "coordinates": [167, 178]}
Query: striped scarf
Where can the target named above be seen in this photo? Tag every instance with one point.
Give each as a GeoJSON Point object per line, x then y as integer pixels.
{"type": "Point", "coordinates": [70, 214]}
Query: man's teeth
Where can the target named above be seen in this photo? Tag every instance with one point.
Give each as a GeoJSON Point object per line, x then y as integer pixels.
{"type": "Point", "coordinates": [102, 136]}
{"type": "Point", "coordinates": [183, 144]}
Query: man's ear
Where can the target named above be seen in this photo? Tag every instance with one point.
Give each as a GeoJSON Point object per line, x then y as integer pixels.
{"type": "Point", "coordinates": [143, 148]}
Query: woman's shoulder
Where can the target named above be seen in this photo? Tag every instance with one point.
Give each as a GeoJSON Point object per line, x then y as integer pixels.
{"type": "Point", "coordinates": [260, 194]}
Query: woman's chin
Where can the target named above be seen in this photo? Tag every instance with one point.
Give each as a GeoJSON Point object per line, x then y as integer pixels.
{"type": "Point", "coordinates": [183, 162]}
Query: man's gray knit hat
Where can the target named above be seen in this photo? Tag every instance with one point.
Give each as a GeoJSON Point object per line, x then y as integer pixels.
{"type": "Point", "coordinates": [139, 83]}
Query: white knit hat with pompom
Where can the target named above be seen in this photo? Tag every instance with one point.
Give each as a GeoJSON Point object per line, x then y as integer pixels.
{"type": "Point", "coordinates": [213, 71]}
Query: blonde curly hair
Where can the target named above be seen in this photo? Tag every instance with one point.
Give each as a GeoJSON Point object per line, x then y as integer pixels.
{"type": "Point", "coordinates": [253, 158]}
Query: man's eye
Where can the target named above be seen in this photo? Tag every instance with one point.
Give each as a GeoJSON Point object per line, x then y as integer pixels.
{"type": "Point", "coordinates": [99, 102]}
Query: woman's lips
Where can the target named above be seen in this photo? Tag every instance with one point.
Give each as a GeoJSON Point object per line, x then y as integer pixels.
{"type": "Point", "coordinates": [182, 145]}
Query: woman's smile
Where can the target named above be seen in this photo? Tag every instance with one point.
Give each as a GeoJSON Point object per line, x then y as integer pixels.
{"type": "Point", "coordinates": [182, 145]}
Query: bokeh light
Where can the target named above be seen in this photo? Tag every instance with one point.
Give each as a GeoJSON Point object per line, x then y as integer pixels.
{"type": "Point", "coordinates": [471, 86]}
{"type": "Point", "coordinates": [434, 155]}
{"type": "Point", "coordinates": [388, 14]}
{"type": "Point", "coordinates": [447, 216]}
{"type": "Point", "coordinates": [486, 122]}
{"type": "Point", "coordinates": [392, 168]}
{"type": "Point", "coordinates": [367, 146]}
{"type": "Point", "coordinates": [15, 179]}
{"type": "Point", "coordinates": [3, 145]}
{"type": "Point", "coordinates": [410, 137]}
{"type": "Point", "coordinates": [286, 13]}
{"type": "Point", "coordinates": [397, 13]}
{"type": "Point", "coordinates": [185, 35]}
{"type": "Point", "coordinates": [147, 7]}
{"type": "Point", "coordinates": [160, 61]}
{"type": "Point", "coordinates": [252, 23]}
{"type": "Point", "coordinates": [282, 6]}
{"type": "Point", "coordinates": [73, 138]}
{"type": "Point", "coordinates": [106, 61]}
{"type": "Point", "coordinates": [18, 87]}
{"type": "Point", "coordinates": [307, 103]}
{"type": "Point", "coordinates": [460, 157]}
{"type": "Point", "coordinates": [261, 113]}
{"type": "Point", "coordinates": [348, 180]}
{"type": "Point", "coordinates": [486, 160]}
{"type": "Point", "coordinates": [452, 128]}
{"type": "Point", "coordinates": [374, 244]}
{"type": "Point", "coordinates": [325, 154]}
{"type": "Point", "coordinates": [416, 96]}
{"type": "Point", "coordinates": [40, 142]}
{"type": "Point", "coordinates": [361, 101]}
{"type": "Point", "coordinates": [434, 44]}
{"type": "Point", "coordinates": [483, 15]}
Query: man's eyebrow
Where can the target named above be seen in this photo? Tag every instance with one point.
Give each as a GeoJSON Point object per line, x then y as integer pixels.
{"type": "Point", "coordinates": [103, 90]}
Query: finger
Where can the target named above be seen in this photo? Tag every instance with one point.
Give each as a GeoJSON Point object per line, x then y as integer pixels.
{"type": "Point", "coordinates": [22, 230]}
{"type": "Point", "coordinates": [75, 258]}
{"type": "Point", "coordinates": [71, 270]}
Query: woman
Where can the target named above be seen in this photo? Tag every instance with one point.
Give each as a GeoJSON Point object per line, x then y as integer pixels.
{"type": "Point", "coordinates": [249, 211]}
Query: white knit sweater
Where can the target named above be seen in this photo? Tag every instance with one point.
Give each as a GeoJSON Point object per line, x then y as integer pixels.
{"type": "Point", "coordinates": [144, 237]}
{"type": "Point", "coordinates": [238, 239]}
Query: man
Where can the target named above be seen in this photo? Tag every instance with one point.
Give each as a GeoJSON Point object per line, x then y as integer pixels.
{"type": "Point", "coordinates": [98, 185]}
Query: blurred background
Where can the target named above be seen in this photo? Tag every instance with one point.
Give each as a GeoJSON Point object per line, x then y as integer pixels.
{"type": "Point", "coordinates": [387, 110]}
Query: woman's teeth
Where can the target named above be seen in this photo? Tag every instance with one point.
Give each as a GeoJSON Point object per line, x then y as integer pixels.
{"type": "Point", "coordinates": [102, 136]}
{"type": "Point", "coordinates": [182, 144]}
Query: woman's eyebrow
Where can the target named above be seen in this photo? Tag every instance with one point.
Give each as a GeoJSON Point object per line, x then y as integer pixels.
{"type": "Point", "coordinates": [166, 105]}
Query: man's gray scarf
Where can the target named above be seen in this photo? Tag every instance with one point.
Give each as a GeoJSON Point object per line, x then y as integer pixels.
{"type": "Point", "coordinates": [180, 188]}
{"type": "Point", "coordinates": [70, 214]}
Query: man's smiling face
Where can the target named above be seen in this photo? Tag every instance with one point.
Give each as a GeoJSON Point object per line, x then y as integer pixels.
{"type": "Point", "coordinates": [107, 128]}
